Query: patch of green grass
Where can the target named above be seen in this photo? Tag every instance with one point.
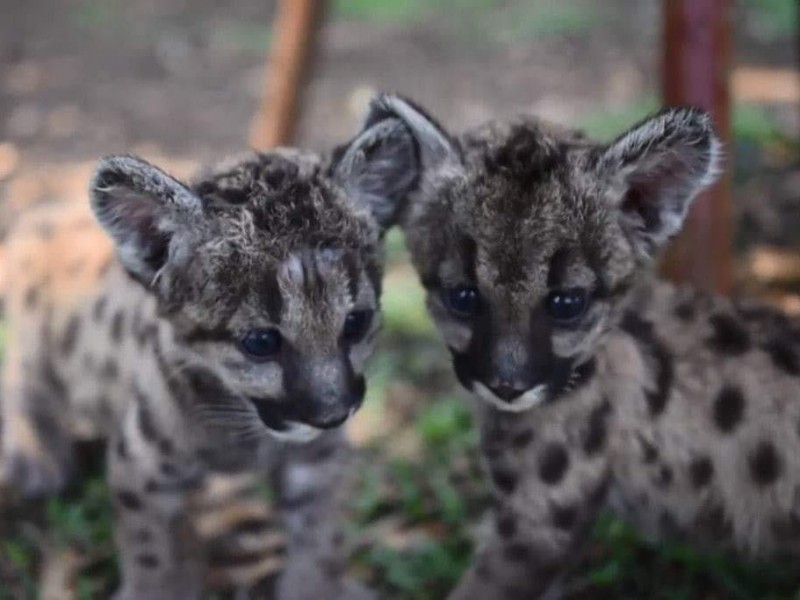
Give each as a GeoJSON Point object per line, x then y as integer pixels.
{"type": "Point", "coordinates": [383, 11]}
{"type": "Point", "coordinates": [605, 125]}
{"type": "Point", "coordinates": [434, 499]}
{"type": "Point", "coordinates": [752, 123]}
{"type": "Point", "coordinates": [96, 14]}
{"type": "Point", "coordinates": [253, 38]}
{"type": "Point", "coordinates": [771, 20]}
{"type": "Point", "coordinates": [403, 305]}
{"type": "Point", "coordinates": [627, 565]}
{"type": "Point", "coordinates": [535, 20]}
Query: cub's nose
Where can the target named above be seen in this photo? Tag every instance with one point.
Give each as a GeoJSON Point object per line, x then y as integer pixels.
{"type": "Point", "coordinates": [331, 415]}
{"type": "Point", "coordinates": [506, 392]}
{"type": "Point", "coordinates": [329, 421]}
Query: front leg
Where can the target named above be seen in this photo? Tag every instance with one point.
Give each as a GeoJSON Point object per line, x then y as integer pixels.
{"type": "Point", "coordinates": [160, 556]}
{"type": "Point", "coordinates": [547, 493]}
{"type": "Point", "coordinates": [309, 484]}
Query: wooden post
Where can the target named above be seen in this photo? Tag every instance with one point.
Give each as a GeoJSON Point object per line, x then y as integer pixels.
{"type": "Point", "coordinates": [295, 29]}
{"type": "Point", "coordinates": [695, 71]}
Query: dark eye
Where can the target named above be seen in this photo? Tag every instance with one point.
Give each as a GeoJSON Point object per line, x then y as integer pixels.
{"type": "Point", "coordinates": [565, 306]}
{"type": "Point", "coordinates": [261, 344]}
{"type": "Point", "coordinates": [356, 325]}
{"type": "Point", "coordinates": [463, 301]}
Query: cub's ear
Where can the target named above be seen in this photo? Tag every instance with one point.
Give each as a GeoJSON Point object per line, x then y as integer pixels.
{"type": "Point", "coordinates": [397, 147]}
{"type": "Point", "coordinates": [662, 164]}
{"type": "Point", "coordinates": [142, 208]}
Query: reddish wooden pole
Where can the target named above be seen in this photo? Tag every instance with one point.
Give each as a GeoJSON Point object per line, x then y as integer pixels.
{"type": "Point", "coordinates": [695, 71]}
{"type": "Point", "coordinates": [295, 30]}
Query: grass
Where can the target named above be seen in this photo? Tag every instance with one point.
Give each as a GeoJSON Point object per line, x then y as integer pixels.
{"type": "Point", "coordinates": [514, 20]}
{"type": "Point", "coordinates": [770, 20]}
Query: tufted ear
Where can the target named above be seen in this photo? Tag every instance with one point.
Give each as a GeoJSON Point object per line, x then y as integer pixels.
{"type": "Point", "coordinates": [142, 208]}
{"type": "Point", "coordinates": [398, 144]}
{"type": "Point", "coordinates": [662, 163]}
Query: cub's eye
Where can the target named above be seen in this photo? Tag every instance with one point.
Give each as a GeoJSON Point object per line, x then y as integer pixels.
{"type": "Point", "coordinates": [566, 306]}
{"type": "Point", "coordinates": [356, 325]}
{"type": "Point", "coordinates": [260, 344]}
{"type": "Point", "coordinates": [463, 301]}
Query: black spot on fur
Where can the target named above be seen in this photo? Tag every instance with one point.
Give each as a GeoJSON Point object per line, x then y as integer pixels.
{"type": "Point", "coordinates": [70, 337]}
{"type": "Point", "coordinates": [649, 451]}
{"type": "Point", "coordinates": [729, 409]}
{"type": "Point", "coordinates": [148, 561]}
{"type": "Point", "coordinates": [657, 400]}
{"type": "Point", "coordinates": [146, 333]}
{"type": "Point", "coordinates": [143, 536]}
{"type": "Point", "coordinates": [517, 552]}
{"type": "Point", "coordinates": [146, 424]}
{"type": "Point", "coordinates": [766, 465]}
{"type": "Point", "coordinates": [522, 439]}
{"type": "Point", "coordinates": [117, 325]}
{"type": "Point", "coordinates": [31, 298]}
{"type": "Point", "coordinates": [558, 268]}
{"type": "Point", "coordinates": [783, 355]}
{"type": "Point", "coordinates": [701, 471]}
{"type": "Point", "coordinates": [122, 449]}
{"type": "Point", "coordinates": [168, 469]}
{"type": "Point", "coordinates": [271, 296]}
{"type": "Point", "coordinates": [166, 447]}
{"type": "Point", "coordinates": [664, 477]}
{"type": "Point", "coordinates": [109, 370]}
{"type": "Point", "coordinates": [129, 500]}
{"type": "Point", "coordinates": [685, 311]}
{"type": "Point", "coordinates": [596, 433]}
{"type": "Point", "coordinates": [664, 369]}
{"type": "Point", "coordinates": [506, 525]}
{"type": "Point", "coordinates": [564, 517]}
{"type": "Point", "coordinates": [99, 308]}
{"type": "Point", "coordinates": [729, 336]}
{"type": "Point", "coordinates": [504, 478]}
{"type": "Point", "coordinates": [468, 250]}
{"type": "Point", "coordinates": [553, 463]}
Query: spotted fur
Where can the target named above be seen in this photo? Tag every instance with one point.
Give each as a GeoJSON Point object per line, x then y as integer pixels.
{"type": "Point", "coordinates": [677, 410]}
{"type": "Point", "coordinates": [139, 336]}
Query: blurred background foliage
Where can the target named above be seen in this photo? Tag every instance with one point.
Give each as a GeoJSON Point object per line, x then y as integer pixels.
{"type": "Point", "coordinates": [178, 81]}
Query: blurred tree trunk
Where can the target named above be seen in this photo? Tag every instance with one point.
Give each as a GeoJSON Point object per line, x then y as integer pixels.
{"type": "Point", "coordinates": [294, 38]}
{"type": "Point", "coordinates": [696, 71]}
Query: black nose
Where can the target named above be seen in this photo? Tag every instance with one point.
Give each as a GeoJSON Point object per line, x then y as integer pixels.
{"type": "Point", "coordinates": [329, 421]}
{"type": "Point", "coordinates": [506, 392]}
{"type": "Point", "coordinates": [330, 416]}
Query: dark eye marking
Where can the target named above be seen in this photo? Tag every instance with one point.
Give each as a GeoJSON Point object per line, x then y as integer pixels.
{"type": "Point", "coordinates": [462, 301]}
{"type": "Point", "coordinates": [565, 307]}
{"type": "Point", "coordinates": [356, 325]}
{"type": "Point", "coordinates": [260, 344]}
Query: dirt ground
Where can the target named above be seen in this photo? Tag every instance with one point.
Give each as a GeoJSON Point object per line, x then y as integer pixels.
{"type": "Point", "coordinates": [181, 78]}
